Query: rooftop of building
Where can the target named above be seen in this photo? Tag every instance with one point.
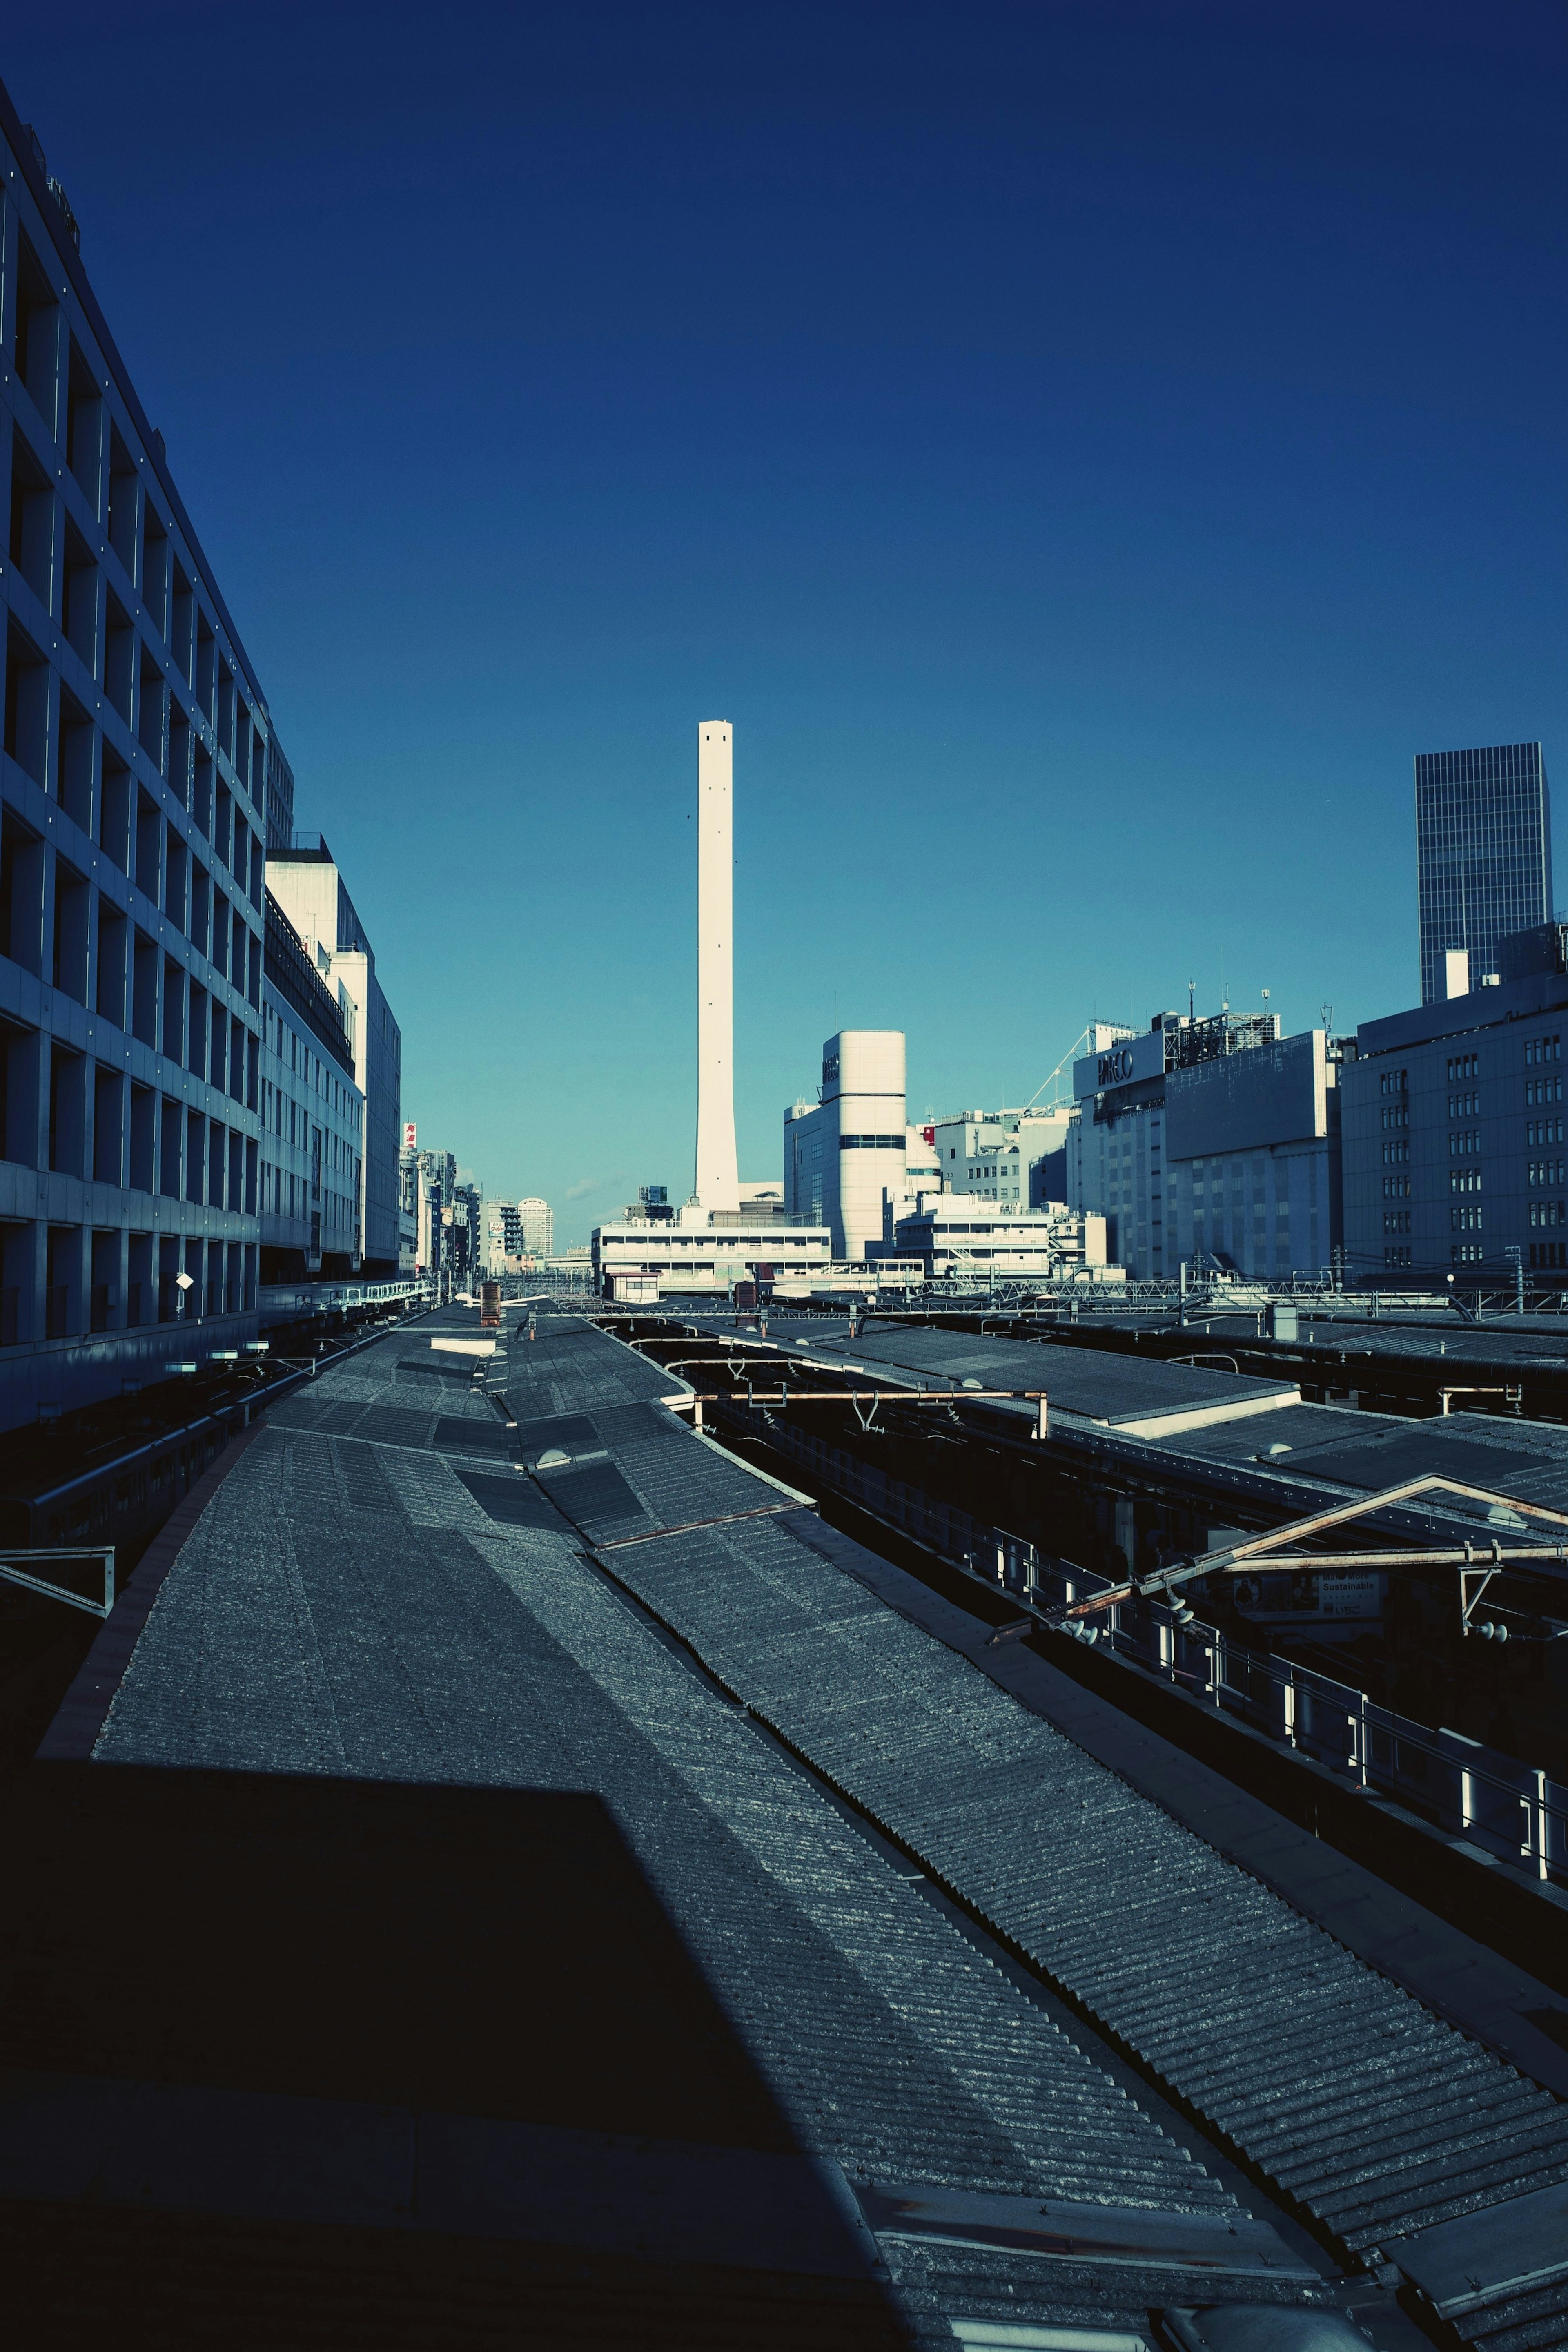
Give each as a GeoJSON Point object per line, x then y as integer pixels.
{"type": "Point", "coordinates": [486, 1673]}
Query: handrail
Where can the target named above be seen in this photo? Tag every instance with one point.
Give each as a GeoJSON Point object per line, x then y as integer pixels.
{"type": "Point", "coordinates": [105, 1552]}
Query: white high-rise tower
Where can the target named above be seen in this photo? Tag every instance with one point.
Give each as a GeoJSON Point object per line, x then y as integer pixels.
{"type": "Point", "coordinates": [717, 1185]}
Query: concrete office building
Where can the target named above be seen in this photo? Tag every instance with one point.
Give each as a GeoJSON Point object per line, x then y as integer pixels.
{"type": "Point", "coordinates": [132, 785]}
{"type": "Point", "coordinates": [536, 1224]}
{"type": "Point", "coordinates": [1213, 1139]}
{"type": "Point", "coordinates": [1016, 1157]}
{"type": "Point", "coordinates": [467, 1209]}
{"type": "Point", "coordinates": [954, 1235]}
{"type": "Point", "coordinates": [312, 1114]}
{"type": "Point", "coordinates": [1483, 857]}
{"type": "Point", "coordinates": [503, 1245]}
{"type": "Point", "coordinates": [435, 1187]}
{"type": "Point", "coordinates": [637, 1260]}
{"type": "Point", "coordinates": [308, 886]}
{"type": "Point", "coordinates": [845, 1155]}
{"type": "Point", "coordinates": [1454, 1153]}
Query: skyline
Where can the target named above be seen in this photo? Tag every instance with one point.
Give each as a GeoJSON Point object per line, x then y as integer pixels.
{"type": "Point", "coordinates": [1084, 525]}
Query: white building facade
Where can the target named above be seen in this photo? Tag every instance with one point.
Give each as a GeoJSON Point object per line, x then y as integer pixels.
{"type": "Point", "coordinates": [846, 1155]}
{"type": "Point", "coordinates": [1011, 1157]}
{"type": "Point", "coordinates": [1210, 1141]}
{"type": "Point", "coordinates": [536, 1226]}
{"type": "Point", "coordinates": [312, 1116]}
{"type": "Point", "coordinates": [956, 1236]}
{"type": "Point", "coordinates": [637, 1261]}
{"type": "Point", "coordinates": [307, 884]}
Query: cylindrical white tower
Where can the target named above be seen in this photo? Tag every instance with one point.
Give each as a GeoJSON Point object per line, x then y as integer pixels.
{"type": "Point", "coordinates": [717, 1185]}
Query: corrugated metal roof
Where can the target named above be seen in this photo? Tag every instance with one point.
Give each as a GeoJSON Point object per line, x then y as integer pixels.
{"type": "Point", "coordinates": [359, 1604]}
{"type": "Point", "coordinates": [1378, 2116]}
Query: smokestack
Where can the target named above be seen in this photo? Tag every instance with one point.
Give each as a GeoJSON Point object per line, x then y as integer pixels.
{"type": "Point", "coordinates": [717, 1185]}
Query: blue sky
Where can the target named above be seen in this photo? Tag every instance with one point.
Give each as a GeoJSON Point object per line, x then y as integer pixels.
{"type": "Point", "coordinates": [1086, 451]}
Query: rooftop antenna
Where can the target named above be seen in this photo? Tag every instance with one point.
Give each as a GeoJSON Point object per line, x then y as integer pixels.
{"type": "Point", "coordinates": [1327, 1011]}
{"type": "Point", "coordinates": [1191, 1003]}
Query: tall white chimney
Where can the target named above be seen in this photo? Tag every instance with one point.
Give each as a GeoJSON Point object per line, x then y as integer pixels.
{"type": "Point", "coordinates": [717, 1185]}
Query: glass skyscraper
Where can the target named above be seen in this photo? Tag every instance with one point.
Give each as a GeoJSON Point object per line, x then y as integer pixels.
{"type": "Point", "coordinates": [1483, 854]}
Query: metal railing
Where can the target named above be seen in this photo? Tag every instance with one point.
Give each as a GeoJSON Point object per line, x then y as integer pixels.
{"type": "Point", "coordinates": [103, 1553]}
{"type": "Point", "coordinates": [1507, 1808]}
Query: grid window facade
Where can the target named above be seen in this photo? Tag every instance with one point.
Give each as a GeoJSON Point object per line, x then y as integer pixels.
{"type": "Point", "coordinates": [132, 779]}
{"type": "Point", "coordinates": [1483, 854]}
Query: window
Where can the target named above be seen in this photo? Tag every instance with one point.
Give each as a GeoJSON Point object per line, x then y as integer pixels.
{"type": "Point", "coordinates": [80, 600]}
{"type": "Point", "coordinates": [1393, 1153]}
{"type": "Point", "coordinates": [27, 706]}
{"type": "Point", "coordinates": [1466, 1106]}
{"type": "Point", "coordinates": [84, 426]}
{"type": "Point", "coordinates": [1465, 1219]}
{"type": "Point", "coordinates": [32, 521]}
{"type": "Point", "coordinates": [1397, 1115]}
{"type": "Point", "coordinates": [38, 324]}
{"type": "Point", "coordinates": [1544, 1253]}
{"type": "Point", "coordinates": [1543, 1049]}
{"type": "Point", "coordinates": [1547, 1212]}
{"type": "Point", "coordinates": [1463, 1141]}
{"type": "Point", "coordinates": [1396, 1188]}
{"type": "Point", "coordinates": [1543, 1091]}
{"type": "Point", "coordinates": [1393, 1082]}
{"type": "Point", "coordinates": [1397, 1220]}
{"type": "Point", "coordinates": [1544, 1172]}
{"type": "Point", "coordinates": [1464, 1179]}
{"type": "Point", "coordinates": [1463, 1066]}
{"type": "Point", "coordinates": [1542, 1131]}
{"type": "Point", "coordinates": [1467, 1253]}
{"type": "Point", "coordinates": [21, 895]}
{"type": "Point", "coordinates": [124, 496]}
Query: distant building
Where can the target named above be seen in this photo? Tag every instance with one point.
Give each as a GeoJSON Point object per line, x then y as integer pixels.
{"type": "Point", "coordinates": [467, 1209]}
{"type": "Point", "coordinates": [844, 1154]}
{"type": "Point", "coordinates": [503, 1248]}
{"type": "Point", "coordinates": [1018, 1158]}
{"type": "Point", "coordinates": [1213, 1140]}
{"type": "Point", "coordinates": [958, 1235]}
{"type": "Point", "coordinates": [312, 1116]}
{"type": "Point", "coordinates": [1454, 1151]}
{"type": "Point", "coordinates": [308, 886]}
{"type": "Point", "coordinates": [1483, 857]}
{"type": "Point", "coordinates": [536, 1222]}
{"type": "Point", "coordinates": [642, 1261]}
{"type": "Point", "coordinates": [435, 1190]}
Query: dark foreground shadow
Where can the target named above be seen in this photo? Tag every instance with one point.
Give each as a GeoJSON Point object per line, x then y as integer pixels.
{"type": "Point", "coordinates": [492, 1956]}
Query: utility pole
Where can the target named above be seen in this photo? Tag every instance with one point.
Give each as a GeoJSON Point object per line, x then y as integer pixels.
{"type": "Point", "coordinates": [1517, 1257]}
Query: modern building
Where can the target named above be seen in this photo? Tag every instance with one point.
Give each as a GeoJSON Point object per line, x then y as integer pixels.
{"type": "Point", "coordinates": [1454, 1154]}
{"type": "Point", "coordinates": [466, 1220]}
{"type": "Point", "coordinates": [1016, 1157]}
{"type": "Point", "coordinates": [535, 1223]}
{"type": "Point", "coordinates": [954, 1235]}
{"type": "Point", "coordinates": [312, 1114]}
{"type": "Point", "coordinates": [308, 886]}
{"type": "Point", "coordinates": [639, 1260]}
{"type": "Point", "coordinates": [1209, 1140]}
{"type": "Point", "coordinates": [844, 1154]}
{"type": "Point", "coordinates": [1483, 857]}
{"type": "Point", "coordinates": [432, 1183]}
{"type": "Point", "coordinates": [133, 776]}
